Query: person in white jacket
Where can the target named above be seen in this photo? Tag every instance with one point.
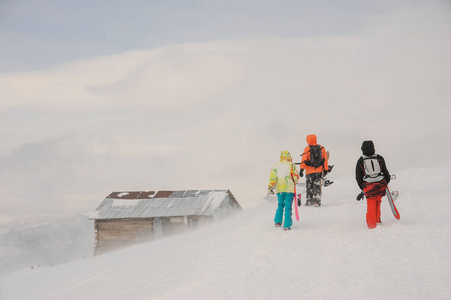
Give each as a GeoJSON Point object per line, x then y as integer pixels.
{"type": "Point", "coordinates": [283, 178]}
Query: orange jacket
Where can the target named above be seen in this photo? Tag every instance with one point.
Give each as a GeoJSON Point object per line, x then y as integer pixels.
{"type": "Point", "coordinates": [311, 140]}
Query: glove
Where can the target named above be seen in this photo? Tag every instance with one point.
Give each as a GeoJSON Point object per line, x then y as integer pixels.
{"type": "Point", "coordinates": [271, 190]}
{"type": "Point", "coordinates": [328, 171]}
{"type": "Point", "coordinates": [330, 168]}
{"type": "Point", "coordinates": [301, 173]}
{"type": "Point", "coordinates": [360, 196]}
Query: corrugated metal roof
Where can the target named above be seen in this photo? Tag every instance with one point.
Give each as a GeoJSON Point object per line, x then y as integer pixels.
{"type": "Point", "coordinates": [150, 204]}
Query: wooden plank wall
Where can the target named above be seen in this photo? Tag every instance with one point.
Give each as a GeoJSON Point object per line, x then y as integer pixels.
{"type": "Point", "coordinates": [115, 234]}
{"type": "Point", "coordinates": [119, 233]}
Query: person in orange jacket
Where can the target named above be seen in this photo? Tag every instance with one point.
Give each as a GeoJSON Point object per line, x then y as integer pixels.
{"type": "Point", "coordinates": [315, 163]}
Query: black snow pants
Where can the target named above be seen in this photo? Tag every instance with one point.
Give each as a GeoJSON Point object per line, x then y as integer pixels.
{"type": "Point", "coordinates": [313, 183]}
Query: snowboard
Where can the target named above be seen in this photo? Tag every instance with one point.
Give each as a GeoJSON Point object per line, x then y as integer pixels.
{"type": "Point", "coordinates": [391, 201]}
{"type": "Point", "coordinates": [296, 212]}
{"type": "Point", "coordinates": [324, 181]}
{"type": "Point", "coordinates": [394, 194]}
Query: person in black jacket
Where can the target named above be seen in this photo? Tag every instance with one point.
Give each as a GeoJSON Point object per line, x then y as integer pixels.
{"type": "Point", "coordinates": [372, 177]}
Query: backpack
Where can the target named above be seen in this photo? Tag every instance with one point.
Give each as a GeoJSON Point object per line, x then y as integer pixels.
{"type": "Point", "coordinates": [316, 158]}
{"type": "Point", "coordinates": [372, 169]}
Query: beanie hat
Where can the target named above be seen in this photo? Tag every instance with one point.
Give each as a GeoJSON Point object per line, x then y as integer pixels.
{"type": "Point", "coordinates": [368, 148]}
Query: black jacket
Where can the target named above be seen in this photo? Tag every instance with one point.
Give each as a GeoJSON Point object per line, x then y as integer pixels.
{"type": "Point", "coordinates": [360, 170]}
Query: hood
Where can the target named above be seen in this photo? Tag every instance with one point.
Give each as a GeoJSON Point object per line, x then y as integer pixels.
{"type": "Point", "coordinates": [285, 156]}
{"type": "Point", "coordinates": [368, 148]}
{"type": "Point", "coordinates": [311, 139]}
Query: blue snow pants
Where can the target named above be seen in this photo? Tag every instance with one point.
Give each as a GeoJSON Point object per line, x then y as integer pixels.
{"type": "Point", "coordinates": [284, 202]}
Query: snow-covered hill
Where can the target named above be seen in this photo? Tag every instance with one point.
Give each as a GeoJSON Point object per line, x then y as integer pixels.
{"type": "Point", "coordinates": [44, 240]}
{"type": "Point", "coordinates": [329, 254]}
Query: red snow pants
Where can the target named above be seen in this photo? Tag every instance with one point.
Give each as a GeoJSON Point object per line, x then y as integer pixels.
{"type": "Point", "coordinates": [373, 211]}
{"type": "Point", "coordinates": [374, 192]}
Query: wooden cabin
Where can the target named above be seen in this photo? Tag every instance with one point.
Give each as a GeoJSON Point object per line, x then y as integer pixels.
{"type": "Point", "coordinates": [127, 218]}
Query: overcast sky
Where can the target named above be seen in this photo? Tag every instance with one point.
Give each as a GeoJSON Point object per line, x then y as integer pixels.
{"type": "Point", "coordinates": [39, 34]}
{"type": "Point", "coordinates": [102, 96]}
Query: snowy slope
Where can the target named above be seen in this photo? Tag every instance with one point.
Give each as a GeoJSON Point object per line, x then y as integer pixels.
{"type": "Point", "coordinates": [329, 254]}
{"type": "Point", "coordinates": [44, 240]}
